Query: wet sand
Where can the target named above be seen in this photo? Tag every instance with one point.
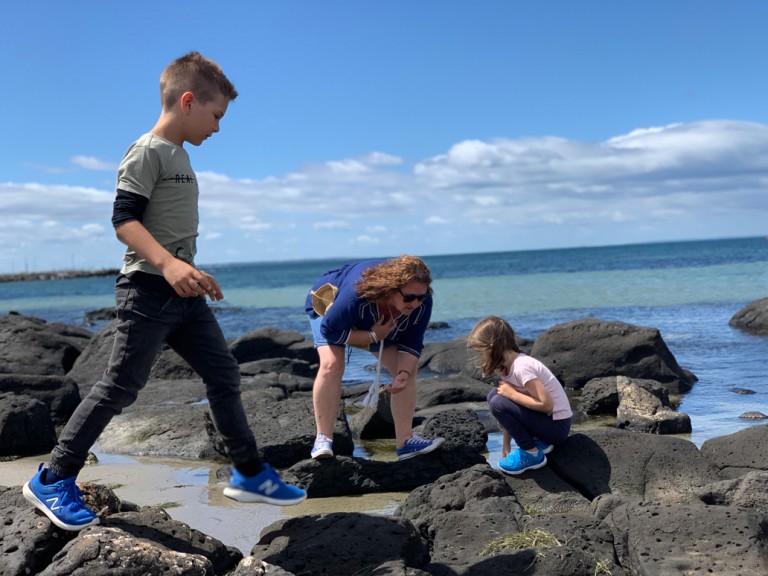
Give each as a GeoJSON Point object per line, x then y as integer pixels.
{"type": "Point", "coordinates": [188, 491]}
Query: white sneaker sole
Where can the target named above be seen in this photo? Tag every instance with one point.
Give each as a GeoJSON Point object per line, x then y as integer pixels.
{"type": "Point", "coordinates": [35, 501]}
{"type": "Point", "coordinates": [516, 472]}
{"type": "Point", "coordinates": [322, 454]}
{"type": "Point", "coordinates": [253, 498]}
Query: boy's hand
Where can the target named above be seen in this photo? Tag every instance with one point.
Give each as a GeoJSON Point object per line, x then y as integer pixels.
{"type": "Point", "coordinates": [213, 289]}
{"type": "Point", "coordinates": [189, 282]}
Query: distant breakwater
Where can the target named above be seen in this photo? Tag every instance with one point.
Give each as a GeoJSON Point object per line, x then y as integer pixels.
{"type": "Point", "coordinates": [57, 275]}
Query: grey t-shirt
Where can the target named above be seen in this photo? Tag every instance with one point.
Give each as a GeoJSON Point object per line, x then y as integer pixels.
{"type": "Point", "coordinates": [160, 171]}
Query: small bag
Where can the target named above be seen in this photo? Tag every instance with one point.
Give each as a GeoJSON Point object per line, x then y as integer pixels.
{"type": "Point", "coordinates": [323, 298]}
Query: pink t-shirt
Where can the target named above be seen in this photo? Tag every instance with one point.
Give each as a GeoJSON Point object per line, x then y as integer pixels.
{"type": "Point", "coordinates": [525, 369]}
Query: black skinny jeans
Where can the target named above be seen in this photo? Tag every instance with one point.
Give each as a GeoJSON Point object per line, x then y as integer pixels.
{"type": "Point", "coordinates": [146, 318]}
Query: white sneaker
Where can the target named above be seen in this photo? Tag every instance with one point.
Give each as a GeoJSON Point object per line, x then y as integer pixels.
{"type": "Point", "coordinates": [323, 447]}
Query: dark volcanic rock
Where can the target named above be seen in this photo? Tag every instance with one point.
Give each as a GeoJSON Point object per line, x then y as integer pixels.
{"type": "Point", "coordinates": [739, 453]}
{"type": "Point", "coordinates": [90, 365]}
{"type": "Point", "coordinates": [455, 357]}
{"type": "Point", "coordinates": [59, 393]}
{"type": "Point", "coordinates": [640, 410]}
{"type": "Point", "coordinates": [753, 415]}
{"type": "Point", "coordinates": [581, 350]}
{"type": "Point", "coordinates": [748, 491]}
{"type": "Point", "coordinates": [26, 428]}
{"type": "Point", "coordinates": [301, 546]}
{"type": "Point", "coordinates": [461, 429]}
{"type": "Point", "coordinates": [273, 343]}
{"type": "Point", "coordinates": [753, 318]}
{"type": "Point", "coordinates": [33, 346]}
{"type": "Point", "coordinates": [601, 395]}
{"type": "Point", "coordinates": [658, 507]}
{"type": "Point", "coordinates": [657, 468]}
{"type": "Point", "coordinates": [609, 501]}
{"type": "Point", "coordinates": [155, 525]}
{"type": "Point", "coordinates": [344, 475]}
{"type": "Point", "coordinates": [654, 538]}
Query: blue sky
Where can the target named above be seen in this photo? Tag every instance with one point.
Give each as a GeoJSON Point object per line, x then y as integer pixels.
{"type": "Point", "coordinates": [381, 128]}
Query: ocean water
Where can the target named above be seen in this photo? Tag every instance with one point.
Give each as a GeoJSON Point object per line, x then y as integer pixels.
{"type": "Point", "coordinates": [688, 290]}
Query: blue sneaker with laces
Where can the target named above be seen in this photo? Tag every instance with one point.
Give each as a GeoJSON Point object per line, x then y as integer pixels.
{"type": "Point", "coordinates": [62, 502]}
{"type": "Point", "coordinates": [266, 487]}
{"type": "Point", "coordinates": [416, 445]}
{"type": "Point", "coordinates": [519, 461]}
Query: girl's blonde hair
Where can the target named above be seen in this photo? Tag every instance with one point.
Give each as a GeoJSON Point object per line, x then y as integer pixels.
{"type": "Point", "coordinates": [491, 338]}
{"type": "Point", "coordinates": [378, 281]}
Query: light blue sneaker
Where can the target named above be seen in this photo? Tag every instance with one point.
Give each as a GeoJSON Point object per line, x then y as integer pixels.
{"type": "Point", "coordinates": [62, 502]}
{"type": "Point", "coordinates": [266, 487]}
{"type": "Point", "coordinates": [543, 446]}
{"type": "Point", "coordinates": [519, 461]}
{"type": "Point", "coordinates": [416, 445]}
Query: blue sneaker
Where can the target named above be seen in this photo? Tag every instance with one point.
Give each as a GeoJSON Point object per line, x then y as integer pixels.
{"type": "Point", "coordinates": [266, 487]}
{"type": "Point", "coordinates": [416, 445]}
{"type": "Point", "coordinates": [543, 446]}
{"type": "Point", "coordinates": [519, 461]}
{"type": "Point", "coordinates": [62, 502]}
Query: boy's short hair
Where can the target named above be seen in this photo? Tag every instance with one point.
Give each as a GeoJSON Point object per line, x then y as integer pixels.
{"type": "Point", "coordinates": [194, 73]}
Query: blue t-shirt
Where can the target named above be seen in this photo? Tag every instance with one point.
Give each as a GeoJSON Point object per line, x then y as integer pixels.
{"type": "Point", "coordinates": [349, 312]}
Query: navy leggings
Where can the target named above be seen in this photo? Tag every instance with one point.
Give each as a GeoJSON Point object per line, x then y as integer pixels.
{"type": "Point", "coordinates": [523, 424]}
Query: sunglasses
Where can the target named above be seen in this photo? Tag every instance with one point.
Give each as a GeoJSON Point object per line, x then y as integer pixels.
{"type": "Point", "coordinates": [411, 297]}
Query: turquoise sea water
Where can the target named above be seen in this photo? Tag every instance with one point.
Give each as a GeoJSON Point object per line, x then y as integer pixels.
{"type": "Point", "coordinates": [688, 290]}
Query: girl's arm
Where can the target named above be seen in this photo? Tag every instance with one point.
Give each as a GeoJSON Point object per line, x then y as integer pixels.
{"type": "Point", "coordinates": [537, 397]}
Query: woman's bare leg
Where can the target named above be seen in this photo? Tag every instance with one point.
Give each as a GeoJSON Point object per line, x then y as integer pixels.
{"type": "Point", "coordinates": [326, 391]}
{"type": "Point", "coordinates": [403, 403]}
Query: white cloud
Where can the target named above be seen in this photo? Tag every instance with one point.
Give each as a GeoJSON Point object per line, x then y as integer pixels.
{"type": "Point", "coordinates": [47, 169]}
{"type": "Point", "coordinates": [93, 163]}
{"type": "Point", "coordinates": [701, 179]}
{"type": "Point", "coordinates": [365, 239]}
{"type": "Point", "coordinates": [331, 225]}
{"type": "Point", "coordinates": [41, 201]}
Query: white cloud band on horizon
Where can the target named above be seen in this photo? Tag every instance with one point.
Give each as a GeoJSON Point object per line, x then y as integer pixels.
{"type": "Point", "coordinates": [638, 185]}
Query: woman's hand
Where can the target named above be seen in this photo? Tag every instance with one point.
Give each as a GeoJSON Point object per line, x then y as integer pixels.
{"type": "Point", "coordinates": [399, 383]}
{"type": "Point", "coordinates": [383, 327]}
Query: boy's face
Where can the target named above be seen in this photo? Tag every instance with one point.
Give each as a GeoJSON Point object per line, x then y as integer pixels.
{"type": "Point", "coordinates": [202, 120]}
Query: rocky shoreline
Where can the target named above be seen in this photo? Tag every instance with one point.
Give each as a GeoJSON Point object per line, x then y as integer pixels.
{"type": "Point", "coordinates": [629, 499]}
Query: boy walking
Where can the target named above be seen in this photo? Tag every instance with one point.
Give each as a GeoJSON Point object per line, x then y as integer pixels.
{"type": "Point", "coordinates": [161, 296]}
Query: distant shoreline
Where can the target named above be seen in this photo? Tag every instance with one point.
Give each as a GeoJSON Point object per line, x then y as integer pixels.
{"type": "Point", "coordinates": [57, 275]}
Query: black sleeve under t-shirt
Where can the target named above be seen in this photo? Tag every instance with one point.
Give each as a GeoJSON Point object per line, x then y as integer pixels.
{"type": "Point", "coordinates": [128, 206]}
